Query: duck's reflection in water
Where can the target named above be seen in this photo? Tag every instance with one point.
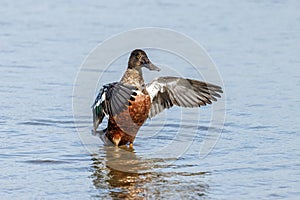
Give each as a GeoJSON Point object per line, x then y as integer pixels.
{"type": "Point", "coordinates": [122, 173]}
{"type": "Point", "coordinates": [119, 173]}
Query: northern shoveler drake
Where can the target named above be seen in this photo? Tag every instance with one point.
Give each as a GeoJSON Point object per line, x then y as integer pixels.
{"type": "Point", "coordinates": [129, 102]}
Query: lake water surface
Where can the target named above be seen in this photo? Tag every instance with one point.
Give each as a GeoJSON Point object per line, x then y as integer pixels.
{"type": "Point", "coordinates": [255, 45]}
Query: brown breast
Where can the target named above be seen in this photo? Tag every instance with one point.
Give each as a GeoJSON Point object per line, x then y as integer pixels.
{"type": "Point", "coordinates": [127, 123]}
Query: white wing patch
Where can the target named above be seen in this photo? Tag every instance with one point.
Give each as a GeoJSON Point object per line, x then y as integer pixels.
{"type": "Point", "coordinates": [153, 89]}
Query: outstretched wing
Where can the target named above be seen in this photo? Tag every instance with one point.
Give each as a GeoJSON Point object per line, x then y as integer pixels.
{"type": "Point", "coordinates": [168, 91]}
{"type": "Point", "coordinates": [111, 100]}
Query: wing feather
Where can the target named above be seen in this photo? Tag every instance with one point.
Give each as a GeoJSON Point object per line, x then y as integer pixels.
{"type": "Point", "coordinates": [168, 91]}
{"type": "Point", "coordinates": [111, 100]}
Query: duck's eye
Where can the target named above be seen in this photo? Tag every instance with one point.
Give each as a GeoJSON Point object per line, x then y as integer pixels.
{"type": "Point", "coordinates": [145, 61]}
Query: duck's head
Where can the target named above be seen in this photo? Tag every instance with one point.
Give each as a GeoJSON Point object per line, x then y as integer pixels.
{"type": "Point", "coordinates": [139, 59]}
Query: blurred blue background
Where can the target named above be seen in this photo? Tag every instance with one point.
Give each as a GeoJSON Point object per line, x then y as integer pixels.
{"type": "Point", "coordinates": [256, 46]}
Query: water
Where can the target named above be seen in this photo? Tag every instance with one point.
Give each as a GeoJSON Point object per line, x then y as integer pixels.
{"type": "Point", "coordinates": [256, 48]}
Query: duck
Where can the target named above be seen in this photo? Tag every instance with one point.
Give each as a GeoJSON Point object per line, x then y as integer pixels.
{"type": "Point", "coordinates": [128, 103]}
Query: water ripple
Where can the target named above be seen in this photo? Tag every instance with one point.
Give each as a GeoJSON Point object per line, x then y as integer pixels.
{"type": "Point", "coordinates": [46, 161]}
{"type": "Point", "coordinates": [49, 122]}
